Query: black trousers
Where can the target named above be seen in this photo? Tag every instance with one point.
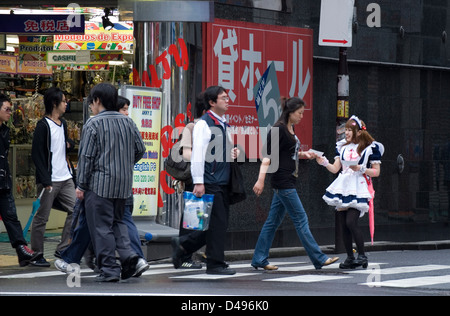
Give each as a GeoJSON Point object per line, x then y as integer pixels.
{"type": "Point", "coordinates": [9, 216]}
{"type": "Point", "coordinates": [108, 232]}
{"type": "Point", "coordinates": [215, 237]}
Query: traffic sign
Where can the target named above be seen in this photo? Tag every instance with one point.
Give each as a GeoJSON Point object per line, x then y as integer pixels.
{"type": "Point", "coordinates": [336, 18]}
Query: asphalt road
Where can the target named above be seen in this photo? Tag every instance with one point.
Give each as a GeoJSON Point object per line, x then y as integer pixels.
{"type": "Point", "coordinates": [390, 273]}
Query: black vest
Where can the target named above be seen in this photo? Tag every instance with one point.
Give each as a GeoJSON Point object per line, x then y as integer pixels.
{"type": "Point", "coordinates": [217, 169]}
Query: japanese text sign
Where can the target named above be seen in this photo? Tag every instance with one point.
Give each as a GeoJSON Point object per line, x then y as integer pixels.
{"type": "Point", "coordinates": [40, 24]}
{"type": "Point", "coordinates": [239, 54]}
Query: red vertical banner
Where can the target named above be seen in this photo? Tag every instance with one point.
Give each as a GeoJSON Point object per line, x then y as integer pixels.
{"type": "Point", "coordinates": [238, 54]}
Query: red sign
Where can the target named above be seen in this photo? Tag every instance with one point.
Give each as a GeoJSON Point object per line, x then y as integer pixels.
{"type": "Point", "coordinates": [238, 54]}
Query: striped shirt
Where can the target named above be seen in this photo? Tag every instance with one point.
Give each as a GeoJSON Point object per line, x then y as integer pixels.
{"type": "Point", "coordinates": [110, 146]}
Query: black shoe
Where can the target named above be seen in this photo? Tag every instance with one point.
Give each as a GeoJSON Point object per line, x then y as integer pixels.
{"type": "Point", "coordinates": [190, 265]}
{"type": "Point", "coordinates": [349, 263]}
{"type": "Point", "coordinates": [362, 261]}
{"type": "Point", "coordinates": [40, 263]}
{"type": "Point", "coordinates": [129, 267]}
{"type": "Point", "coordinates": [89, 260]}
{"type": "Point", "coordinates": [177, 253]}
{"type": "Point", "coordinates": [220, 271]}
{"type": "Point", "coordinates": [26, 255]}
{"type": "Point", "coordinates": [105, 278]}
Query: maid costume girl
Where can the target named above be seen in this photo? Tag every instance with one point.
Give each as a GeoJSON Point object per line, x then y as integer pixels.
{"type": "Point", "coordinates": [353, 189]}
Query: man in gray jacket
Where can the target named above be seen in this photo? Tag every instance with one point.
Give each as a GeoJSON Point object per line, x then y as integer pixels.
{"type": "Point", "coordinates": [110, 146]}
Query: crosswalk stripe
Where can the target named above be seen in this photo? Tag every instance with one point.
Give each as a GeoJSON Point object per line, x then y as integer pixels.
{"type": "Point", "coordinates": [400, 270]}
{"type": "Point", "coordinates": [311, 267]}
{"type": "Point", "coordinates": [205, 276]}
{"type": "Point", "coordinates": [411, 282]}
{"type": "Point", "coordinates": [275, 263]}
{"type": "Point", "coordinates": [37, 274]}
{"type": "Point", "coordinates": [309, 278]}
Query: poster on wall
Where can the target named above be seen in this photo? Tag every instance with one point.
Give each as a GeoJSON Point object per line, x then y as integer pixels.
{"type": "Point", "coordinates": [239, 54]}
{"type": "Point", "coordinates": [145, 110]}
{"type": "Point", "coordinates": [8, 64]}
{"type": "Point", "coordinates": [95, 37]}
{"type": "Point", "coordinates": [32, 55]}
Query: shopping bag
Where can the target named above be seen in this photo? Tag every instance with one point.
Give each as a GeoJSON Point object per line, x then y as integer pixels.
{"type": "Point", "coordinates": [197, 211]}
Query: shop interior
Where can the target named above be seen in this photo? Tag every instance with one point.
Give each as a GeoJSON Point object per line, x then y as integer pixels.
{"type": "Point", "coordinates": [26, 87]}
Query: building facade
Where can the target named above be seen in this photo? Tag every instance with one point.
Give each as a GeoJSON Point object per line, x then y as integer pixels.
{"type": "Point", "coordinates": [399, 69]}
{"type": "Point", "coordinates": [399, 82]}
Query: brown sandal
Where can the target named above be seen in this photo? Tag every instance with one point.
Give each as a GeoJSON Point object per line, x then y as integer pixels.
{"type": "Point", "coordinates": [330, 261]}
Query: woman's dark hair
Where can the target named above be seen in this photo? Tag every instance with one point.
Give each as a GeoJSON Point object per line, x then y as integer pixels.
{"type": "Point", "coordinates": [107, 95]}
{"type": "Point", "coordinates": [52, 98]}
{"type": "Point", "coordinates": [289, 106]}
{"type": "Point", "coordinates": [199, 105]}
{"type": "Point", "coordinates": [211, 94]}
{"type": "Point", "coordinates": [122, 101]}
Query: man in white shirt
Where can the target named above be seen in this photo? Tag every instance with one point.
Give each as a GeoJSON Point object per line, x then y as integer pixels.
{"type": "Point", "coordinates": [53, 173]}
{"type": "Point", "coordinates": [212, 153]}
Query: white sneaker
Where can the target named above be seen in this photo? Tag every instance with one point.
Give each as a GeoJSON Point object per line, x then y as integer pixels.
{"type": "Point", "coordinates": [63, 266]}
{"type": "Point", "coordinates": [141, 266]}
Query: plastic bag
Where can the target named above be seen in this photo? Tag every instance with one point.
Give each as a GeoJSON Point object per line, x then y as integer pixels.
{"type": "Point", "coordinates": [197, 211]}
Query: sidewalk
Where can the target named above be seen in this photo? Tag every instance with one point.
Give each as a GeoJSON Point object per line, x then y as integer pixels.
{"type": "Point", "coordinates": [8, 255]}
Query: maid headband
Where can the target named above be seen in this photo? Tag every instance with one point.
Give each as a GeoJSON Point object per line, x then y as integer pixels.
{"type": "Point", "coordinates": [358, 121]}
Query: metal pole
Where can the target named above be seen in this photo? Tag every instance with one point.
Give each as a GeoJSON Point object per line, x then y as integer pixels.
{"type": "Point", "coordinates": [343, 87]}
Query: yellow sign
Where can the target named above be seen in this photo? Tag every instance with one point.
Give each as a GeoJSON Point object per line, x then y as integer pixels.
{"type": "Point", "coordinates": [8, 64]}
{"type": "Point", "coordinates": [343, 109]}
{"type": "Point", "coordinates": [145, 110]}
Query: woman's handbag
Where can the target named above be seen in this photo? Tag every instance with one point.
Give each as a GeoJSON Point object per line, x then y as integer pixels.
{"type": "Point", "coordinates": [176, 165]}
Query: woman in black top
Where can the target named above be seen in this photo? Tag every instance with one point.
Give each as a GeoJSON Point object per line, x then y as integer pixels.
{"type": "Point", "coordinates": [285, 198]}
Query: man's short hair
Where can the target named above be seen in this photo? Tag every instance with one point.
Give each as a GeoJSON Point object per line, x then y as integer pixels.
{"type": "Point", "coordinates": [107, 95]}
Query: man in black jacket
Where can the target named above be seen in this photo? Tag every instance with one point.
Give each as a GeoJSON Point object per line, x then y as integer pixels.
{"type": "Point", "coordinates": [7, 205]}
{"type": "Point", "coordinates": [53, 173]}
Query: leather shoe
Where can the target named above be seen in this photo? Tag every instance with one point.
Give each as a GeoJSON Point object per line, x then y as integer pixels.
{"type": "Point", "coordinates": [221, 271]}
{"type": "Point", "coordinates": [105, 278]}
{"type": "Point", "coordinates": [129, 267]}
{"type": "Point", "coordinates": [268, 267]}
{"type": "Point", "coordinates": [41, 262]}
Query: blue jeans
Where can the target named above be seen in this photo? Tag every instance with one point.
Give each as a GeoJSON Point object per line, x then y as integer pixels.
{"type": "Point", "coordinates": [135, 240]}
{"type": "Point", "coordinates": [287, 201]}
{"type": "Point", "coordinates": [80, 236]}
